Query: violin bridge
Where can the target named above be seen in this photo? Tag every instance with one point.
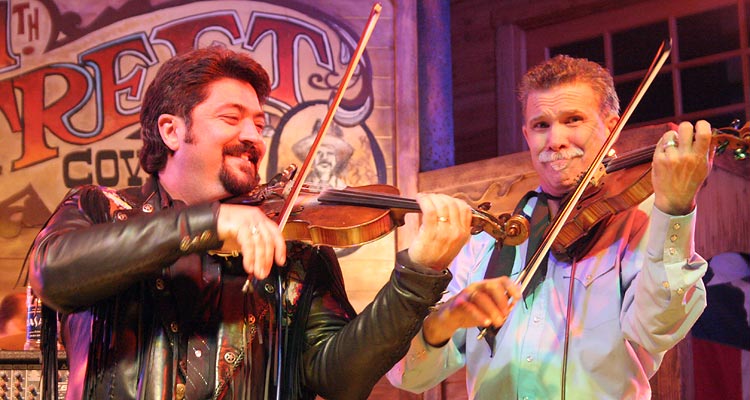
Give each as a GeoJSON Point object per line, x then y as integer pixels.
{"type": "Point", "coordinates": [598, 175]}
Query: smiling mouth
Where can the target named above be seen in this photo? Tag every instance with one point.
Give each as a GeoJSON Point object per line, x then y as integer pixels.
{"type": "Point", "coordinates": [246, 152]}
{"type": "Point", "coordinates": [251, 158]}
{"type": "Point", "coordinates": [559, 165]}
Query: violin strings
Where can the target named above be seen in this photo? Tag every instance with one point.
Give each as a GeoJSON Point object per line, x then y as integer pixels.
{"type": "Point", "coordinates": [646, 154]}
{"type": "Point", "coordinates": [631, 158]}
{"type": "Point", "coordinates": [353, 197]}
{"type": "Point", "coordinates": [359, 198]}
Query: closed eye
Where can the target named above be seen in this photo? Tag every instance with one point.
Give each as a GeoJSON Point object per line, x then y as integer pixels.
{"type": "Point", "coordinates": [230, 118]}
{"type": "Point", "coordinates": [260, 122]}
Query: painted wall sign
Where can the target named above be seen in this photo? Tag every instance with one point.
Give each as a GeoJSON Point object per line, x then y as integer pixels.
{"type": "Point", "coordinates": [73, 73]}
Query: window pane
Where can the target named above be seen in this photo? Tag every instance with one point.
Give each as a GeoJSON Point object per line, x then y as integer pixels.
{"type": "Point", "coordinates": [634, 49]}
{"type": "Point", "coordinates": [593, 49]}
{"type": "Point", "coordinates": [712, 85]}
{"type": "Point", "coordinates": [725, 120]}
{"type": "Point", "coordinates": [658, 102]}
{"type": "Point", "coordinates": [711, 32]}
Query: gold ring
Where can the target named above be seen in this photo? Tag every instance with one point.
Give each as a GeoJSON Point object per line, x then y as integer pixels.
{"type": "Point", "coordinates": [442, 219]}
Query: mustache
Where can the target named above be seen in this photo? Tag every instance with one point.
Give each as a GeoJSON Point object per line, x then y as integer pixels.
{"type": "Point", "coordinates": [242, 149]}
{"type": "Point", "coordinates": [562, 154]}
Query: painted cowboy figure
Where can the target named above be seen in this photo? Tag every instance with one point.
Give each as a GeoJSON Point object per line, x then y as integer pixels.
{"type": "Point", "coordinates": [331, 158]}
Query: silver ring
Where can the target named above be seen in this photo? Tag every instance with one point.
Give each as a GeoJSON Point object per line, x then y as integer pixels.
{"type": "Point", "coordinates": [254, 230]}
{"type": "Point", "coordinates": [670, 143]}
{"type": "Point", "coordinates": [442, 219]}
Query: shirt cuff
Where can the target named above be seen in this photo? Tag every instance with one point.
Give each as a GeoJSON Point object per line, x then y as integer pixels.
{"type": "Point", "coordinates": [672, 245]}
{"type": "Point", "coordinates": [420, 349]}
{"type": "Point", "coordinates": [672, 237]}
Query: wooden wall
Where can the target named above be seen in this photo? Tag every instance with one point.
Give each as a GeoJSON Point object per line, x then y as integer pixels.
{"type": "Point", "coordinates": [479, 39]}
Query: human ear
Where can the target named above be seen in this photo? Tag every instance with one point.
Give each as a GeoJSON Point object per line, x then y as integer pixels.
{"type": "Point", "coordinates": [171, 130]}
{"type": "Point", "coordinates": [611, 121]}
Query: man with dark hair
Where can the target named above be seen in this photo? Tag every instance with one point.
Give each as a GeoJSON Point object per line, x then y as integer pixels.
{"type": "Point", "coordinates": [596, 325]}
{"type": "Point", "coordinates": [148, 281]}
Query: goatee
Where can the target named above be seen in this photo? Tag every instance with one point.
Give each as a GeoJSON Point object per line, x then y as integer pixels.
{"type": "Point", "coordinates": [247, 178]}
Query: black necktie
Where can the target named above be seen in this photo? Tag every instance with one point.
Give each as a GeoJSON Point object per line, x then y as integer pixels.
{"type": "Point", "coordinates": [539, 222]}
{"type": "Point", "coordinates": [503, 257]}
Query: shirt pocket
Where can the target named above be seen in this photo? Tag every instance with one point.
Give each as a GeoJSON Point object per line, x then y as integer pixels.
{"type": "Point", "coordinates": [596, 294]}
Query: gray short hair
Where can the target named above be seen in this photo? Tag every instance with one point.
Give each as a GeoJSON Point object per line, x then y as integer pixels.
{"type": "Point", "coordinates": [563, 69]}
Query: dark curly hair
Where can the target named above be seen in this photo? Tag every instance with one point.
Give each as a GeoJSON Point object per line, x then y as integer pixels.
{"type": "Point", "coordinates": [181, 84]}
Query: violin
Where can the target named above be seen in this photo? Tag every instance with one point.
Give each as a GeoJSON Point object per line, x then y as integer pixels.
{"type": "Point", "coordinates": [624, 182]}
{"type": "Point", "coordinates": [359, 215]}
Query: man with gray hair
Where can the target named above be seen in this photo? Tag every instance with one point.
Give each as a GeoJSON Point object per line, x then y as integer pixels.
{"type": "Point", "coordinates": [594, 324]}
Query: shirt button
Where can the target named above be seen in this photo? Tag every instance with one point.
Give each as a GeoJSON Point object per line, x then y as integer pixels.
{"type": "Point", "coordinates": [665, 285]}
{"type": "Point", "coordinates": [179, 391]}
{"type": "Point", "coordinates": [121, 216]}
{"type": "Point", "coordinates": [525, 397]}
{"type": "Point", "coordinates": [147, 208]}
{"type": "Point", "coordinates": [174, 327]}
{"type": "Point", "coordinates": [230, 357]}
{"type": "Point", "coordinates": [676, 226]}
{"type": "Point", "coordinates": [529, 359]}
{"type": "Point", "coordinates": [159, 284]}
{"type": "Point", "coordinates": [536, 319]}
{"type": "Point", "coordinates": [673, 238]}
{"type": "Point", "coordinates": [672, 251]}
{"type": "Point", "coordinates": [680, 290]}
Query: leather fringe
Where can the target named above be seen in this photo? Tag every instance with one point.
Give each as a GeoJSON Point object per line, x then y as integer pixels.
{"type": "Point", "coordinates": [325, 273]}
{"type": "Point", "coordinates": [48, 344]}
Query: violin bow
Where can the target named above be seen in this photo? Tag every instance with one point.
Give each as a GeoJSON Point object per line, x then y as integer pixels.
{"type": "Point", "coordinates": [301, 174]}
{"type": "Point", "coordinates": [558, 222]}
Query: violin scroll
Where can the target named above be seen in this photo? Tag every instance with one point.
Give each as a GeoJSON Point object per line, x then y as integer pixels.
{"type": "Point", "coordinates": [733, 137]}
{"type": "Point", "coordinates": [509, 229]}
